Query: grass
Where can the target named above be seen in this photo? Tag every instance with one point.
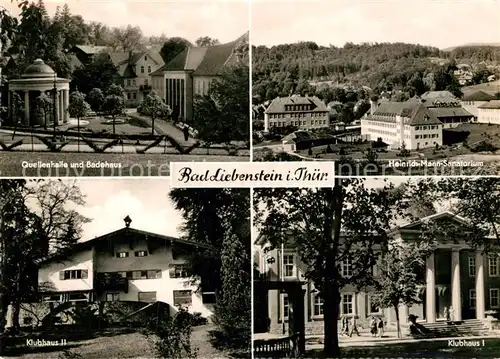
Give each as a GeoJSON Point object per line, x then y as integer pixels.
{"type": "Point", "coordinates": [434, 349]}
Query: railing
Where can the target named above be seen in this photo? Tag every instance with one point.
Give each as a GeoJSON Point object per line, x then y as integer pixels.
{"type": "Point", "coordinates": [286, 347]}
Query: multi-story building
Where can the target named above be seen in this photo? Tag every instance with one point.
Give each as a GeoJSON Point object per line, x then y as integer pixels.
{"type": "Point", "coordinates": [489, 112]}
{"type": "Point", "coordinates": [301, 112]}
{"type": "Point", "coordinates": [125, 265]}
{"type": "Point", "coordinates": [447, 108]}
{"type": "Point", "coordinates": [397, 123]}
{"type": "Point", "coordinates": [456, 275]}
{"type": "Point", "coordinates": [191, 73]}
{"type": "Point", "coordinates": [471, 100]}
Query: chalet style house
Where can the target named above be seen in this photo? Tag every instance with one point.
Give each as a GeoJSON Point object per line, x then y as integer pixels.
{"type": "Point", "coordinates": [125, 265]}
{"type": "Point", "coordinates": [456, 276]}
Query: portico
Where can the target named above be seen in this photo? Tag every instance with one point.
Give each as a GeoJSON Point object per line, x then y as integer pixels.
{"type": "Point", "coordinates": [37, 79]}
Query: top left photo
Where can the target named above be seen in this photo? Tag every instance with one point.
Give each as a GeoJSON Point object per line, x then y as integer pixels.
{"type": "Point", "coordinates": [118, 88]}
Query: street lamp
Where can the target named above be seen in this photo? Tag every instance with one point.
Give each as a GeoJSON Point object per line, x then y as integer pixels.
{"type": "Point", "coordinates": [54, 109]}
{"type": "Point", "coordinates": [127, 221]}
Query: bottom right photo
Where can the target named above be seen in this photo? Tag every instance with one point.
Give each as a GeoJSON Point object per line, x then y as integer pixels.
{"type": "Point", "coordinates": [378, 267]}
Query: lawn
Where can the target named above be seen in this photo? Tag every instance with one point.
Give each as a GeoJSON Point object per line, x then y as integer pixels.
{"type": "Point", "coordinates": [428, 349]}
{"type": "Point", "coordinates": [117, 343]}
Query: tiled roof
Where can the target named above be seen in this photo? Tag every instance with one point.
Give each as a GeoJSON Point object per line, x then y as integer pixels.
{"type": "Point", "coordinates": [450, 112]}
{"type": "Point", "coordinates": [477, 95]}
{"type": "Point", "coordinates": [128, 71]}
{"type": "Point", "coordinates": [203, 61]}
{"type": "Point", "coordinates": [494, 104]}
{"type": "Point", "coordinates": [435, 95]}
{"type": "Point", "coordinates": [278, 104]}
{"type": "Point", "coordinates": [417, 113]}
{"type": "Point", "coordinates": [91, 50]}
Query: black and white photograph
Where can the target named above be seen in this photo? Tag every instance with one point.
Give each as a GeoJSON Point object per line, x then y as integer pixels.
{"type": "Point", "coordinates": [394, 87]}
{"type": "Point", "coordinates": [122, 88]}
{"type": "Point", "coordinates": [378, 268]}
{"type": "Point", "coordinates": [125, 268]}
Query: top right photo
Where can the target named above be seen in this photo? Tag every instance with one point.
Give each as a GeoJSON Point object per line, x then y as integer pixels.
{"type": "Point", "coordinates": [381, 88]}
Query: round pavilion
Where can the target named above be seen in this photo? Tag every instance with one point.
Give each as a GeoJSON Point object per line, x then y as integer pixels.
{"type": "Point", "coordinates": [40, 78]}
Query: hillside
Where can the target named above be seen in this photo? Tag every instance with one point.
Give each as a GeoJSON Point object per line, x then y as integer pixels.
{"type": "Point", "coordinates": [477, 44]}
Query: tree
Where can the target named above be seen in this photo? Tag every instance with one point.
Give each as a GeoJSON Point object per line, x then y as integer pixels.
{"type": "Point", "coordinates": [44, 104]}
{"type": "Point", "coordinates": [327, 226]}
{"type": "Point", "coordinates": [113, 106]}
{"type": "Point", "coordinates": [115, 90]}
{"type": "Point", "coordinates": [8, 25]}
{"type": "Point", "coordinates": [72, 28]}
{"type": "Point", "coordinates": [154, 108]}
{"type": "Point", "coordinates": [99, 73]}
{"type": "Point", "coordinates": [222, 116]}
{"type": "Point", "coordinates": [95, 98]}
{"type": "Point", "coordinates": [173, 47]}
{"type": "Point", "coordinates": [399, 276]}
{"type": "Point", "coordinates": [206, 41]}
{"type": "Point", "coordinates": [128, 39]}
{"type": "Point", "coordinates": [78, 108]}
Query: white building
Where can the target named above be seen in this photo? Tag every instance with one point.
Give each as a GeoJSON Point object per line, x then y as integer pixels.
{"type": "Point", "coordinates": [489, 112]}
{"type": "Point", "coordinates": [396, 123]}
{"type": "Point", "coordinates": [471, 100]}
{"type": "Point", "coordinates": [125, 265]}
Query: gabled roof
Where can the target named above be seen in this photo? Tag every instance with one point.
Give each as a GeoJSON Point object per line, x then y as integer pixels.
{"type": "Point", "coordinates": [438, 95]}
{"type": "Point", "coordinates": [91, 49]}
{"type": "Point", "coordinates": [278, 104]}
{"type": "Point", "coordinates": [495, 105]}
{"type": "Point", "coordinates": [437, 216]}
{"type": "Point", "coordinates": [416, 112]}
{"type": "Point", "coordinates": [477, 95]}
{"type": "Point", "coordinates": [203, 61]}
{"type": "Point", "coordinates": [442, 112]}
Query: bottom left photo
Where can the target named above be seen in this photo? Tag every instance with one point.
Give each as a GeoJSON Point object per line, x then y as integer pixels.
{"type": "Point", "coordinates": [123, 268]}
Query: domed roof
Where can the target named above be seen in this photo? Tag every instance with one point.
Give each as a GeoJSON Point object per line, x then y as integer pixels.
{"type": "Point", "coordinates": [38, 69]}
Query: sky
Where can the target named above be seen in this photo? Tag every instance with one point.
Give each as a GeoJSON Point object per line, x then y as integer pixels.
{"type": "Point", "coordinates": [439, 23]}
{"type": "Point", "coordinates": [223, 20]}
{"type": "Point", "coordinates": [109, 201]}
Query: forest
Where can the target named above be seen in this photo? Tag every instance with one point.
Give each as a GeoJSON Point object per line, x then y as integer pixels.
{"type": "Point", "coordinates": [306, 67]}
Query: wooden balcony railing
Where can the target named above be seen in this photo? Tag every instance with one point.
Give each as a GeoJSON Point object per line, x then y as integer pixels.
{"type": "Point", "coordinates": [286, 347]}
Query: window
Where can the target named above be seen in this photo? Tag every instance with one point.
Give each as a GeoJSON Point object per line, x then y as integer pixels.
{"type": "Point", "coordinates": [140, 274]}
{"type": "Point", "coordinates": [288, 265]}
{"type": "Point", "coordinates": [141, 253]}
{"type": "Point", "coordinates": [51, 298]}
{"type": "Point", "coordinates": [128, 82]}
{"type": "Point", "coordinates": [493, 266]}
{"type": "Point", "coordinates": [472, 266]}
{"type": "Point", "coordinates": [347, 303]}
{"type": "Point", "coordinates": [74, 274]}
{"type": "Point", "coordinates": [154, 274]}
{"type": "Point", "coordinates": [178, 271]}
{"type": "Point", "coordinates": [182, 297]}
{"type": "Point", "coordinates": [286, 306]}
{"type": "Point", "coordinates": [149, 69]}
{"type": "Point", "coordinates": [147, 297]}
{"type": "Point", "coordinates": [134, 95]}
{"type": "Point", "coordinates": [122, 255]}
{"type": "Point", "coordinates": [142, 69]}
{"type": "Point", "coordinates": [372, 308]}
{"type": "Point", "coordinates": [112, 297]}
{"type": "Point", "coordinates": [472, 298]}
{"type": "Point", "coordinates": [346, 269]}
{"type": "Point", "coordinates": [208, 298]}
{"type": "Point", "coordinates": [128, 96]}
{"type": "Point", "coordinates": [146, 58]}
{"type": "Point", "coordinates": [494, 295]}
{"type": "Point", "coordinates": [318, 304]}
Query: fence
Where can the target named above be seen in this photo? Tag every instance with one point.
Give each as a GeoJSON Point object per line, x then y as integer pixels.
{"type": "Point", "coordinates": [286, 347]}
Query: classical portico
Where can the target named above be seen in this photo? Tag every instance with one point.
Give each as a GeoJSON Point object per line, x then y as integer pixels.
{"type": "Point", "coordinates": [38, 78]}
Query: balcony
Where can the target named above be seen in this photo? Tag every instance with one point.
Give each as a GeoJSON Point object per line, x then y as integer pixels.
{"type": "Point", "coordinates": [111, 282]}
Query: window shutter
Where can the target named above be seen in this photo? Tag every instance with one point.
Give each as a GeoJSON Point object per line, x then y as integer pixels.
{"type": "Point", "coordinates": [61, 275]}
{"type": "Point", "coordinates": [85, 274]}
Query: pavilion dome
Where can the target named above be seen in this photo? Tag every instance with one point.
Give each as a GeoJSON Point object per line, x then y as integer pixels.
{"type": "Point", "coordinates": [38, 69]}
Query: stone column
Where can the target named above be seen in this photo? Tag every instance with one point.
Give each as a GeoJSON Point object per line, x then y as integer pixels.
{"type": "Point", "coordinates": [61, 106]}
{"type": "Point", "coordinates": [456, 302]}
{"type": "Point", "coordinates": [9, 105]}
{"type": "Point", "coordinates": [26, 108]}
{"type": "Point", "coordinates": [430, 292]}
{"type": "Point", "coordinates": [66, 105]}
{"type": "Point", "coordinates": [56, 103]}
{"type": "Point", "coordinates": [480, 299]}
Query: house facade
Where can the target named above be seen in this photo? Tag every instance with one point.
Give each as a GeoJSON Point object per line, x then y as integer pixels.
{"type": "Point", "coordinates": [191, 73]}
{"type": "Point", "coordinates": [489, 112]}
{"type": "Point", "coordinates": [397, 123]}
{"type": "Point", "coordinates": [455, 276]}
{"type": "Point", "coordinates": [298, 111]}
{"type": "Point", "coordinates": [125, 265]}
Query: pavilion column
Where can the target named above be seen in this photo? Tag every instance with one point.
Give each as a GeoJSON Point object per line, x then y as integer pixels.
{"type": "Point", "coordinates": [56, 112]}
{"type": "Point", "coordinates": [430, 292]}
{"type": "Point", "coordinates": [66, 105]}
{"type": "Point", "coordinates": [456, 302]}
{"type": "Point", "coordinates": [9, 105]}
{"type": "Point", "coordinates": [480, 300]}
{"type": "Point", "coordinates": [26, 108]}
{"type": "Point", "coordinates": [61, 106]}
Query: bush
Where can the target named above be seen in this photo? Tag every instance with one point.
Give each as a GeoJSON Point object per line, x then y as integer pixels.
{"type": "Point", "coordinates": [197, 319]}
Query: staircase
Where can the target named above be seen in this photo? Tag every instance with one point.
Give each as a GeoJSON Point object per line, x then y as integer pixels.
{"type": "Point", "coordinates": [470, 327]}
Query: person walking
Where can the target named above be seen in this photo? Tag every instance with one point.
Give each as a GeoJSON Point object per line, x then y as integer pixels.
{"type": "Point", "coordinates": [373, 327]}
{"type": "Point", "coordinates": [185, 130]}
{"type": "Point", "coordinates": [354, 326]}
{"type": "Point", "coordinates": [380, 327]}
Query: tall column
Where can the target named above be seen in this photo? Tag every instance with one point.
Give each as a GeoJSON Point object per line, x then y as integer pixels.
{"type": "Point", "coordinates": [480, 300]}
{"type": "Point", "coordinates": [456, 302]}
{"type": "Point", "coordinates": [56, 112]}
{"type": "Point", "coordinates": [430, 292]}
{"type": "Point", "coordinates": [9, 104]}
{"type": "Point", "coordinates": [66, 105]}
{"type": "Point", "coordinates": [61, 106]}
{"type": "Point", "coordinates": [26, 107]}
